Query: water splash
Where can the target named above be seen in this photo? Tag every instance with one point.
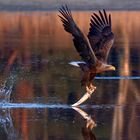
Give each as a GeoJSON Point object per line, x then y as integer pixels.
{"type": "Point", "coordinates": [6, 125]}
{"type": "Point", "coordinates": [6, 88]}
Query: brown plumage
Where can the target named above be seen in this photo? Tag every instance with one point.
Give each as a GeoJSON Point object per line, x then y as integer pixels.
{"type": "Point", "coordinates": [94, 48]}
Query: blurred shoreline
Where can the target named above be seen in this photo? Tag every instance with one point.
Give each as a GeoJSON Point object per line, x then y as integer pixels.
{"type": "Point", "coordinates": [56, 10]}
{"type": "Point", "coordinates": [76, 5]}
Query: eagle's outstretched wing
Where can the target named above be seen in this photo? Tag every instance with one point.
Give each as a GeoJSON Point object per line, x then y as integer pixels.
{"type": "Point", "coordinates": [81, 43]}
{"type": "Point", "coordinates": [100, 35]}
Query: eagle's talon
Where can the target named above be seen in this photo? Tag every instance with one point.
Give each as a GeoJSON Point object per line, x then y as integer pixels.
{"type": "Point", "coordinates": [88, 90]}
{"type": "Point", "coordinates": [92, 87]}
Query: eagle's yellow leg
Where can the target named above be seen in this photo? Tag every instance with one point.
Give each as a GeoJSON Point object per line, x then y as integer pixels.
{"type": "Point", "coordinates": [85, 81]}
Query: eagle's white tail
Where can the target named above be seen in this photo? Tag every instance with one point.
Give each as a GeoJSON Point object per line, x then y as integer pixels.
{"type": "Point", "coordinates": [76, 63]}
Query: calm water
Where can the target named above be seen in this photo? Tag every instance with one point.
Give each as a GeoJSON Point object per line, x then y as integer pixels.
{"type": "Point", "coordinates": [34, 56]}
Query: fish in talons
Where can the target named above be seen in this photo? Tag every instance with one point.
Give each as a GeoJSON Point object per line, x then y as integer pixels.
{"type": "Point", "coordinates": [86, 96]}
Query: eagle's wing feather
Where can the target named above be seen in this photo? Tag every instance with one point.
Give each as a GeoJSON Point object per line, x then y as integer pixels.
{"type": "Point", "coordinates": [100, 35]}
{"type": "Point", "coordinates": [81, 43]}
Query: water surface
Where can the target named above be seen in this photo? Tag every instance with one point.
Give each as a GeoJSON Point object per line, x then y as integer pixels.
{"type": "Point", "coordinates": [34, 55]}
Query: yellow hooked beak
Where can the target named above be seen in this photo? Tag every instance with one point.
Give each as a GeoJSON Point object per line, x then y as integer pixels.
{"type": "Point", "coordinates": [112, 68]}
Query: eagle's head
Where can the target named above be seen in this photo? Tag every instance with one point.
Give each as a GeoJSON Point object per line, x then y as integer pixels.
{"type": "Point", "coordinates": [105, 67]}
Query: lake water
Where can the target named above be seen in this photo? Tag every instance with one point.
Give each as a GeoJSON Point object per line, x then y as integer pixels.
{"type": "Point", "coordinates": [34, 56]}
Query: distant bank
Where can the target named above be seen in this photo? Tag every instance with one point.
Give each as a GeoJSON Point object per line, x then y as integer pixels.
{"type": "Point", "coordinates": [45, 5]}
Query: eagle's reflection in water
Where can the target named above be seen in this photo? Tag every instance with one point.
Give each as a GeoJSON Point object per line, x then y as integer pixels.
{"type": "Point", "coordinates": [90, 124]}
